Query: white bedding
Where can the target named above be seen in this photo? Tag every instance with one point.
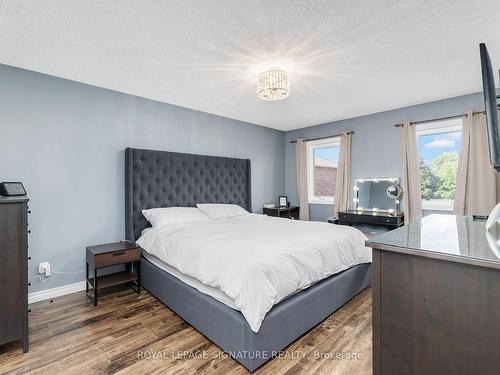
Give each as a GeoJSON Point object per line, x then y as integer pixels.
{"type": "Point", "coordinates": [206, 289]}
{"type": "Point", "coordinates": [257, 260]}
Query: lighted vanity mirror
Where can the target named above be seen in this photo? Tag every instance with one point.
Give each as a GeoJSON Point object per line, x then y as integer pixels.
{"type": "Point", "coordinates": [377, 194]}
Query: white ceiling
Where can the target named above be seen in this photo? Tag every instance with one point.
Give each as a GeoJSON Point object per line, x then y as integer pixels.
{"type": "Point", "coordinates": [345, 58]}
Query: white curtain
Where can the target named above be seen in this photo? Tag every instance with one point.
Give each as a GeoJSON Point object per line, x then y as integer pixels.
{"type": "Point", "coordinates": [301, 163]}
{"type": "Point", "coordinates": [410, 173]}
{"type": "Point", "coordinates": [342, 184]}
{"type": "Point", "coordinates": [476, 179]}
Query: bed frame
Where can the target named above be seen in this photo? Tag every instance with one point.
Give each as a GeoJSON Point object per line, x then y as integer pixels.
{"type": "Point", "coordinates": [168, 179]}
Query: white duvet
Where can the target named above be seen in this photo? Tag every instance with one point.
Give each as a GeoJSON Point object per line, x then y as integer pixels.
{"type": "Point", "coordinates": [257, 260]}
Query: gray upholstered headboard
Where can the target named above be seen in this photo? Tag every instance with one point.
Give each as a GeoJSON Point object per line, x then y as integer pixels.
{"type": "Point", "coordinates": [172, 179]}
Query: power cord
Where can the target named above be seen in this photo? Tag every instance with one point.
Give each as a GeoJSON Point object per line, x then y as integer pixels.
{"type": "Point", "coordinates": [43, 279]}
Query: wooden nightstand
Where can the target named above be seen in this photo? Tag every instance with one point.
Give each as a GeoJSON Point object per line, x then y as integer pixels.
{"type": "Point", "coordinates": [112, 254]}
{"type": "Point", "coordinates": [291, 212]}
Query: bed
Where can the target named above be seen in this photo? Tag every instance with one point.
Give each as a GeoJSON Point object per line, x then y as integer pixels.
{"type": "Point", "coordinates": [167, 179]}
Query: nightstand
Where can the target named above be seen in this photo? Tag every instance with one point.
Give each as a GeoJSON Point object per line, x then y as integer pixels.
{"type": "Point", "coordinates": [112, 254]}
{"type": "Point", "coordinates": [291, 212]}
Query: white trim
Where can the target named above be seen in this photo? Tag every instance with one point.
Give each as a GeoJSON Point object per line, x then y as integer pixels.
{"type": "Point", "coordinates": [439, 127]}
{"type": "Point", "coordinates": [434, 128]}
{"type": "Point", "coordinates": [310, 147]}
{"type": "Point", "coordinates": [443, 130]}
{"type": "Point", "coordinates": [56, 292]}
{"type": "Point", "coordinates": [325, 142]}
{"type": "Point", "coordinates": [447, 205]}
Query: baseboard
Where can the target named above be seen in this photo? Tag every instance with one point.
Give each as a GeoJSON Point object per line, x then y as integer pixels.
{"type": "Point", "coordinates": [56, 292]}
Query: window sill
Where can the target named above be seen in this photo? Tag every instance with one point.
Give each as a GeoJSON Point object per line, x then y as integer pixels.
{"type": "Point", "coordinates": [330, 203]}
{"type": "Point", "coordinates": [433, 210]}
{"type": "Point", "coordinates": [437, 205]}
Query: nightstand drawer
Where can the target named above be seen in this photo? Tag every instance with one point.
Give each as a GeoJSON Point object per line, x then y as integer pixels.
{"type": "Point", "coordinates": [117, 257]}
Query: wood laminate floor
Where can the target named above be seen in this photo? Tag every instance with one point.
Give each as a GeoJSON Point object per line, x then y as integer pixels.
{"type": "Point", "coordinates": [132, 334]}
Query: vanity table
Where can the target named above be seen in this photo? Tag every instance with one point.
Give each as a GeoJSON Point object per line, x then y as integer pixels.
{"type": "Point", "coordinates": [384, 219]}
{"type": "Point", "coordinates": [376, 202]}
{"type": "Point", "coordinates": [436, 298]}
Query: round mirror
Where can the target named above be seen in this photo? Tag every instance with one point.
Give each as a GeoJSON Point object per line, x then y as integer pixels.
{"type": "Point", "coordinates": [394, 191]}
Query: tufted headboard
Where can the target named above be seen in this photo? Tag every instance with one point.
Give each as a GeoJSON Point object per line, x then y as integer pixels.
{"type": "Point", "coordinates": [172, 179]}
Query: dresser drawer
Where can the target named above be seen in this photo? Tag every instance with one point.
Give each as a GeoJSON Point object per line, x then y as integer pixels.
{"type": "Point", "coordinates": [394, 220]}
{"type": "Point", "coordinates": [356, 218]}
{"type": "Point", "coordinates": [117, 257]}
{"type": "Point", "coordinates": [370, 218]}
{"type": "Point", "coordinates": [387, 220]}
{"type": "Point", "coordinates": [343, 216]}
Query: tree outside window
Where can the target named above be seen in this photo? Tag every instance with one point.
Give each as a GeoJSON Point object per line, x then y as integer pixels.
{"type": "Point", "coordinates": [439, 147]}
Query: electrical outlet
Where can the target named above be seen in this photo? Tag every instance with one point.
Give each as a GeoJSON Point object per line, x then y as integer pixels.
{"type": "Point", "coordinates": [44, 268]}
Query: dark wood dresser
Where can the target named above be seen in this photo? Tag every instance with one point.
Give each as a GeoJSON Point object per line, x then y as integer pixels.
{"type": "Point", "coordinates": [14, 270]}
{"type": "Point", "coordinates": [436, 298]}
{"type": "Point", "coordinates": [385, 219]}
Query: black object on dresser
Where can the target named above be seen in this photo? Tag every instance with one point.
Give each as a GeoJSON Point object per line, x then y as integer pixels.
{"type": "Point", "coordinates": [112, 254]}
{"type": "Point", "coordinates": [385, 219]}
{"type": "Point", "coordinates": [291, 212]}
{"type": "Point", "coordinates": [14, 270]}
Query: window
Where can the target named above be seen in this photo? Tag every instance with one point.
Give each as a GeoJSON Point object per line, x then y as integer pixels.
{"type": "Point", "coordinates": [439, 147]}
{"type": "Point", "coordinates": [322, 161]}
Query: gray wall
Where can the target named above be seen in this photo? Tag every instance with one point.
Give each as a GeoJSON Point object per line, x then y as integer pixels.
{"type": "Point", "coordinates": [375, 143]}
{"type": "Point", "coordinates": [64, 140]}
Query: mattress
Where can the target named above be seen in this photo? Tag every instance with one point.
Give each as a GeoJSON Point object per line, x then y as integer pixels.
{"type": "Point", "coordinates": [255, 261]}
{"type": "Point", "coordinates": [206, 289]}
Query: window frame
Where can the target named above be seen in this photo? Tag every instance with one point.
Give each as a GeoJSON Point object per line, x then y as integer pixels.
{"type": "Point", "coordinates": [434, 128]}
{"type": "Point", "coordinates": [310, 147]}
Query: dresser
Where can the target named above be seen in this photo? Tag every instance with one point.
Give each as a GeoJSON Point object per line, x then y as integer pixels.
{"type": "Point", "coordinates": [436, 298]}
{"type": "Point", "coordinates": [14, 270]}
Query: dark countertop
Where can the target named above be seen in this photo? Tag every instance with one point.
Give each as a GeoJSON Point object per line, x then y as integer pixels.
{"type": "Point", "coordinates": [447, 237]}
{"type": "Point", "coordinates": [371, 213]}
{"type": "Point", "coordinates": [112, 247]}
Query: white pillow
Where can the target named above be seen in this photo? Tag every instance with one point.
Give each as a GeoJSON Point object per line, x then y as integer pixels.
{"type": "Point", "coordinates": [173, 215]}
{"type": "Point", "coordinates": [219, 211]}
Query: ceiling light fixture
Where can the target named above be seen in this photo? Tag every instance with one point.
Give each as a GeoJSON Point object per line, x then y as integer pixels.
{"type": "Point", "coordinates": [273, 85]}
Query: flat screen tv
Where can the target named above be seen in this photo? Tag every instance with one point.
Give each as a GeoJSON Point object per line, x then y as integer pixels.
{"type": "Point", "coordinates": [490, 104]}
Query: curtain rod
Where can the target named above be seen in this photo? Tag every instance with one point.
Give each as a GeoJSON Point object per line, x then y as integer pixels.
{"type": "Point", "coordinates": [441, 118]}
{"type": "Point", "coordinates": [325, 137]}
